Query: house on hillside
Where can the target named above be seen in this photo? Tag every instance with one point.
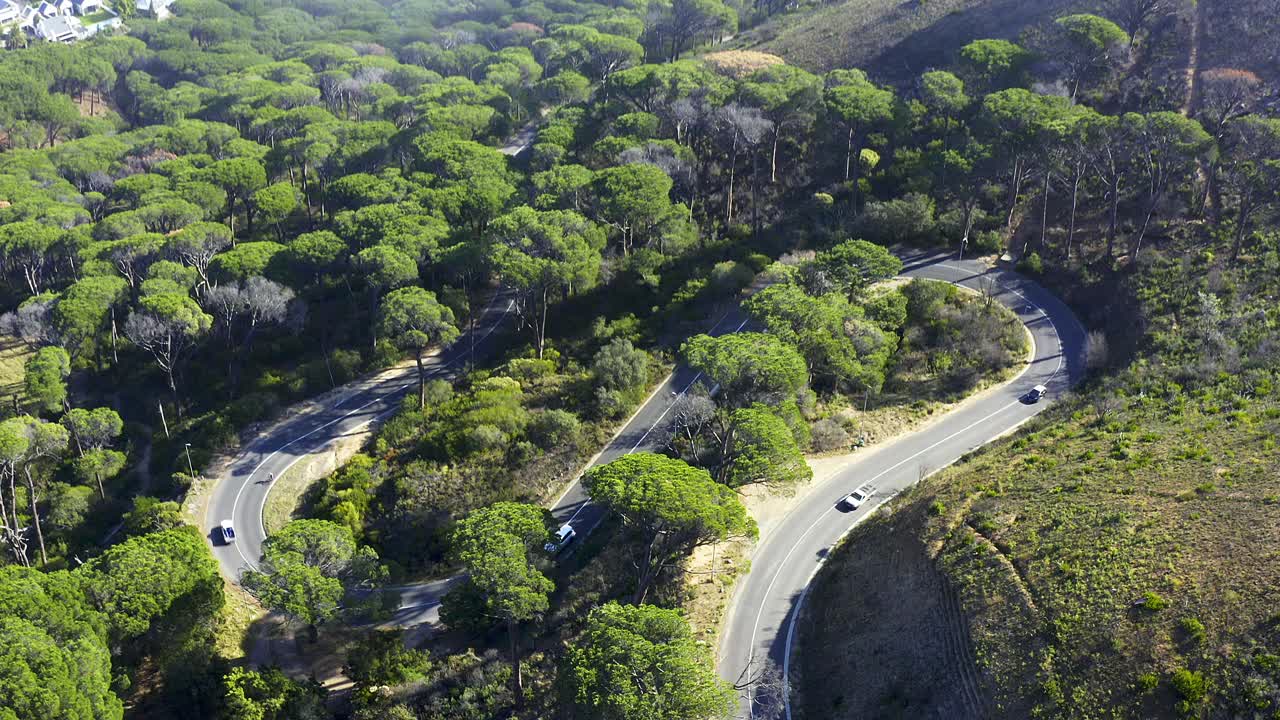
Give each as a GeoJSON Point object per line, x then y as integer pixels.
{"type": "Point", "coordinates": [10, 12]}
{"type": "Point", "coordinates": [60, 28]}
{"type": "Point", "coordinates": [87, 7]}
{"type": "Point", "coordinates": [159, 9]}
{"type": "Point", "coordinates": [55, 8]}
{"type": "Point", "coordinates": [28, 20]}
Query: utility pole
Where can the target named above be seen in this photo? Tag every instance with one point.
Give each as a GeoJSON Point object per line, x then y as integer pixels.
{"type": "Point", "coordinates": [191, 468]}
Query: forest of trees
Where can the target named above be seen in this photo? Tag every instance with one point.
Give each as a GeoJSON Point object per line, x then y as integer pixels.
{"type": "Point", "coordinates": [216, 215]}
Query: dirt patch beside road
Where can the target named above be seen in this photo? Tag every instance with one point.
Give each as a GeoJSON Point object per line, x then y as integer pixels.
{"type": "Point", "coordinates": [914, 656]}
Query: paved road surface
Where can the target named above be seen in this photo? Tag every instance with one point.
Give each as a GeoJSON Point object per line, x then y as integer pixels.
{"type": "Point", "coordinates": [421, 603]}
{"type": "Point", "coordinates": [522, 140]}
{"type": "Point", "coordinates": [241, 496]}
{"type": "Point", "coordinates": [242, 490]}
{"type": "Point", "coordinates": [759, 630]}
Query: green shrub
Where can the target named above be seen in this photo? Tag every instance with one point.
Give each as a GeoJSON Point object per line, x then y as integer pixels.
{"type": "Point", "coordinates": [252, 408]}
{"type": "Point", "coordinates": [729, 277]}
{"type": "Point", "coordinates": [527, 370]}
{"type": "Point", "coordinates": [1153, 602]}
{"type": "Point", "coordinates": [988, 241]}
{"type": "Point", "coordinates": [611, 403]}
{"type": "Point", "coordinates": [1190, 686]}
{"type": "Point", "coordinates": [620, 366]}
{"type": "Point", "coordinates": [937, 507]}
{"type": "Point", "coordinates": [485, 437]}
{"type": "Point", "coordinates": [438, 392]}
{"type": "Point", "coordinates": [759, 261]}
{"type": "Point", "coordinates": [888, 310]}
{"type": "Point", "coordinates": [384, 355]}
{"type": "Point", "coordinates": [908, 219]}
{"type": "Point", "coordinates": [1147, 682]}
{"type": "Point", "coordinates": [1031, 264]}
{"type": "Point", "coordinates": [1193, 628]}
{"type": "Point", "coordinates": [554, 428]}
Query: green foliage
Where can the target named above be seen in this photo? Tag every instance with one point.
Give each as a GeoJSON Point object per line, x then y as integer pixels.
{"type": "Point", "coordinates": [670, 506]}
{"type": "Point", "coordinates": [54, 661]}
{"type": "Point", "coordinates": [44, 377]}
{"type": "Point", "coordinates": [380, 658]}
{"type": "Point", "coordinates": [850, 267]}
{"type": "Point", "coordinates": [545, 252]}
{"type": "Point", "coordinates": [995, 64]}
{"type": "Point", "coordinates": [40, 678]}
{"type": "Point", "coordinates": [270, 695]}
{"type": "Point", "coordinates": [840, 346]}
{"type": "Point", "coordinates": [151, 515]}
{"type": "Point", "coordinates": [552, 429]}
{"type": "Point", "coordinates": [747, 367]}
{"type": "Point", "coordinates": [618, 371]}
{"type": "Point", "coordinates": [495, 546]}
{"type": "Point", "coordinates": [1032, 264]}
{"type": "Point", "coordinates": [762, 450]}
{"type": "Point", "coordinates": [178, 569]}
{"type": "Point", "coordinates": [908, 219]}
{"type": "Point", "coordinates": [1194, 629]}
{"type": "Point", "coordinates": [1191, 686]}
{"type": "Point", "coordinates": [1153, 601]}
{"type": "Point", "coordinates": [628, 651]}
{"type": "Point", "coordinates": [308, 569]}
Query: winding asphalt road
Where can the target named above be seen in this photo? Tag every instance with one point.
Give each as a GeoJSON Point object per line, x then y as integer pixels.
{"type": "Point", "coordinates": [758, 625]}
{"type": "Point", "coordinates": [760, 629]}
{"type": "Point", "coordinates": [241, 492]}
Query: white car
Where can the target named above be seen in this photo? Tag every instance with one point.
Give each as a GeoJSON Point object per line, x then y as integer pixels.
{"type": "Point", "coordinates": [1036, 393]}
{"type": "Point", "coordinates": [228, 532]}
{"type": "Point", "coordinates": [855, 499]}
{"type": "Point", "coordinates": [563, 537]}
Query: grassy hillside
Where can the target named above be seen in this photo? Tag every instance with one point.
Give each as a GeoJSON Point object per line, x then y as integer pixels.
{"type": "Point", "coordinates": [13, 356]}
{"type": "Point", "coordinates": [897, 39]}
{"type": "Point", "coordinates": [1116, 558]}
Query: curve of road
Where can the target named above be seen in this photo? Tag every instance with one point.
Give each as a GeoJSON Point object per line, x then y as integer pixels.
{"type": "Point", "coordinates": [241, 492]}
{"type": "Point", "coordinates": [759, 629]}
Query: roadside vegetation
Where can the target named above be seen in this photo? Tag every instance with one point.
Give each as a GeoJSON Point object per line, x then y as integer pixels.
{"type": "Point", "coordinates": [1120, 532]}
{"type": "Point", "coordinates": [263, 203]}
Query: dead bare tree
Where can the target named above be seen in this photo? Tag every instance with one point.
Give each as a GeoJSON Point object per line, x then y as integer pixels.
{"type": "Point", "coordinates": [763, 686]}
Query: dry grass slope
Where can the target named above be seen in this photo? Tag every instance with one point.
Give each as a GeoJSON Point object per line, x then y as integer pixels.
{"type": "Point", "coordinates": [1095, 556]}
{"type": "Point", "coordinates": [13, 355]}
{"type": "Point", "coordinates": [897, 39]}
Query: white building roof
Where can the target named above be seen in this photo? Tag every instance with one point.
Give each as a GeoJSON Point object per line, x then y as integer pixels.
{"type": "Point", "coordinates": [60, 29]}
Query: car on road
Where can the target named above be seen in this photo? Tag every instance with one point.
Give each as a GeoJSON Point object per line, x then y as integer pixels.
{"type": "Point", "coordinates": [228, 532]}
{"type": "Point", "coordinates": [563, 537]}
{"type": "Point", "coordinates": [855, 499]}
{"type": "Point", "coordinates": [1036, 393]}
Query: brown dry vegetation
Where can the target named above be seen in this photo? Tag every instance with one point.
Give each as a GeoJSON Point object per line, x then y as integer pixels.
{"type": "Point", "coordinates": [740, 63]}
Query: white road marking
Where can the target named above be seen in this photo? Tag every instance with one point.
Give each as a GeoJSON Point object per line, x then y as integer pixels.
{"type": "Point", "coordinates": [656, 422]}
{"type": "Point", "coordinates": [794, 614]}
